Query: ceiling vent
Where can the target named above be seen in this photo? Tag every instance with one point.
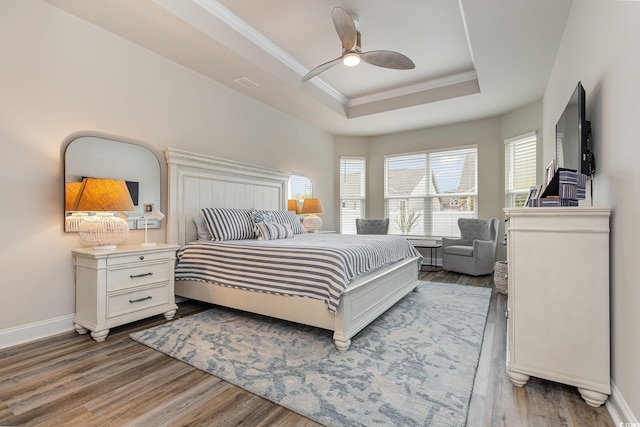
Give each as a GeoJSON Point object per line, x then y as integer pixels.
{"type": "Point", "coordinates": [246, 82]}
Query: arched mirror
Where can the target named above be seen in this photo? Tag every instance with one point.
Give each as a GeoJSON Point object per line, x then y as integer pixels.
{"type": "Point", "coordinates": [96, 157]}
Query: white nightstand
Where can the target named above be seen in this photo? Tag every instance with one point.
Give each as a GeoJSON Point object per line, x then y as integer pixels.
{"type": "Point", "coordinates": [122, 285]}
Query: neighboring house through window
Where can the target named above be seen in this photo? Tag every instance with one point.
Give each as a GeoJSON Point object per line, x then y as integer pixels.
{"type": "Point", "coordinates": [426, 192]}
{"type": "Point", "coordinates": [520, 168]}
{"type": "Point", "coordinates": [352, 192]}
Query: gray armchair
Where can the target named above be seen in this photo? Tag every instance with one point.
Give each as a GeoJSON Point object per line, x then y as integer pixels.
{"type": "Point", "coordinates": [372, 226]}
{"type": "Point", "coordinates": [475, 252]}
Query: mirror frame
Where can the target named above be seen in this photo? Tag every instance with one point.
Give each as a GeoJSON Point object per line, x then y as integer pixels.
{"type": "Point", "coordinates": [100, 155]}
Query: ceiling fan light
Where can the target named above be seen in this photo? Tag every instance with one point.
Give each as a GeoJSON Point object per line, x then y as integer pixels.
{"type": "Point", "coordinates": [351, 59]}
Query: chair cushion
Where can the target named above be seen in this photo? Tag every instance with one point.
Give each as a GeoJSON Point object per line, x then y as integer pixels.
{"type": "Point", "coordinates": [459, 250]}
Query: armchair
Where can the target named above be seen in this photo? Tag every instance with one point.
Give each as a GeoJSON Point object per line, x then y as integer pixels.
{"type": "Point", "coordinates": [372, 226]}
{"type": "Point", "coordinates": [475, 252]}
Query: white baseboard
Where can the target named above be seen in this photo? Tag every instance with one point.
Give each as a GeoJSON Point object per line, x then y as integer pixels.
{"type": "Point", "coordinates": [619, 410]}
{"type": "Point", "coordinates": [43, 329]}
{"type": "Point", "coordinates": [35, 331]}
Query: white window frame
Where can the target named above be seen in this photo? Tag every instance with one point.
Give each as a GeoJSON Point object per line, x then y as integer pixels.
{"type": "Point", "coordinates": [429, 224]}
{"type": "Point", "coordinates": [516, 194]}
{"type": "Point", "coordinates": [347, 221]}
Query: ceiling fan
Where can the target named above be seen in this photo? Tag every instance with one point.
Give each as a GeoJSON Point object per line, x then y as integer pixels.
{"type": "Point", "coordinates": [351, 53]}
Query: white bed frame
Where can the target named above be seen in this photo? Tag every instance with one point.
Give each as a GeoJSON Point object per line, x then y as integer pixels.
{"type": "Point", "coordinates": [197, 181]}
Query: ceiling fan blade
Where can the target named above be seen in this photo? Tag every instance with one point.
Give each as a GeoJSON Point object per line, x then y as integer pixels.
{"type": "Point", "coordinates": [388, 59]}
{"type": "Point", "coordinates": [345, 27]}
{"type": "Point", "coordinates": [320, 68]}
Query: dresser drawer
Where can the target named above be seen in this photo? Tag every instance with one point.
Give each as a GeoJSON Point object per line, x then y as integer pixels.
{"type": "Point", "coordinates": [123, 303]}
{"type": "Point", "coordinates": [140, 275]}
{"type": "Point", "coordinates": [139, 258]}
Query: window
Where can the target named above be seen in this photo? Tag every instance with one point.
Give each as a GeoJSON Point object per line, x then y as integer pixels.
{"type": "Point", "coordinates": [425, 193]}
{"type": "Point", "coordinates": [352, 192]}
{"type": "Point", "coordinates": [300, 187]}
{"type": "Point", "coordinates": [520, 168]}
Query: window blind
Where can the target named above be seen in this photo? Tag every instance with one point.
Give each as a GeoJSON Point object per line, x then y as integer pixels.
{"type": "Point", "coordinates": [520, 168]}
{"type": "Point", "coordinates": [352, 192]}
{"type": "Point", "coordinates": [426, 193]}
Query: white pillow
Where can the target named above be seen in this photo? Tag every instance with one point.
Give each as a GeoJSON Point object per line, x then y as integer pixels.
{"type": "Point", "coordinates": [201, 228]}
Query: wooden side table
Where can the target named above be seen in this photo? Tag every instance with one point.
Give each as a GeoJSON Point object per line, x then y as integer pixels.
{"type": "Point", "coordinates": [122, 285]}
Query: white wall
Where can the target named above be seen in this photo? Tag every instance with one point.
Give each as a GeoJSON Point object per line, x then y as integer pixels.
{"type": "Point", "coordinates": [62, 76]}
{"type": "Point", "coordinates": [600, 47]}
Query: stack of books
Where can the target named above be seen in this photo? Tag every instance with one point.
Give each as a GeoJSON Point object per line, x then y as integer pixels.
{"type": "Point", "coordinates": [565, 188]}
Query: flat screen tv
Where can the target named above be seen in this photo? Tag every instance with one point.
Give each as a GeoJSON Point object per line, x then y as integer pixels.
{"type": "Point", "coordinates": [573, 136]}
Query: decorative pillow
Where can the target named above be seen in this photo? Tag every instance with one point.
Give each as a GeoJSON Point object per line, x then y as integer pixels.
{"type": "Point", "coordinates": [229, 223]}
{"type": "Point", "coordinates": [268, 231]}
{"type": "Point", "coordinates": [201, 228]}
{"type": "Point", "coordinates": [258, 216]}
{"type": "Point", "coordinates": [290, 218]}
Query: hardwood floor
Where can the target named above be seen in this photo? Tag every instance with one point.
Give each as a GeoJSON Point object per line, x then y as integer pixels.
{"type": "Point", "coordinates": [71, 380]}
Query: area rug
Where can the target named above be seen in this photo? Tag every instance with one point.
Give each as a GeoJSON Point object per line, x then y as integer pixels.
{"type": "Point", "coordinates": [414, 365]}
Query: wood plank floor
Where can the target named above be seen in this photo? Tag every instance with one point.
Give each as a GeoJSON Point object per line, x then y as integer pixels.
{"type": "Point", "coordinates": [70, 380]}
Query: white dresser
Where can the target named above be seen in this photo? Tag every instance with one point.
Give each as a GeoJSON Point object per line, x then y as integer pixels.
{"type": "Point", "coordinates": [118, 286]}
{"type": "Point", "coordinates": [558, 298]}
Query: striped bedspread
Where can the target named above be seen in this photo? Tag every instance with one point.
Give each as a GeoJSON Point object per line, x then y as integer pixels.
{"type": "Point", "coordinates": [319, 266]}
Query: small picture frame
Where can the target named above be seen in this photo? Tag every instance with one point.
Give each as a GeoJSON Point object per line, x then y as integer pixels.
{"type": "Point", "coordinates": [549, 172]}
{"type": "Point", "coordinates": [533, 193]}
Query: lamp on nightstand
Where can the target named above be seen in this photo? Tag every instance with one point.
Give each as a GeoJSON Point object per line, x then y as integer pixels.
{"type": "Point", "coordinates": [294, 205]}
{"type": "Point", "coordinates": [72, 219]}
{"type": "Point", "coordinates": [312, 207]}
{"type": "Point", "coordinates": [103, 196]}
{"type": "Point", "coordinates": [150, 211]}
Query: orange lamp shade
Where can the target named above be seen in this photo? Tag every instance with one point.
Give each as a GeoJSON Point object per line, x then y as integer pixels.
{"type": "Point", "coordinates": [101, 194]}
{"type": "Point", "coordinates": [312, 206]}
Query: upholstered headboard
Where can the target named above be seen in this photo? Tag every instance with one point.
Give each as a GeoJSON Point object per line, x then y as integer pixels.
{"type": "Point", "coordinates": [199, 181]}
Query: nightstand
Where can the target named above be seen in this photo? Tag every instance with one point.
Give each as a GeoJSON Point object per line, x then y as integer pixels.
{"type": "Point", "coordinates": [122, 285]}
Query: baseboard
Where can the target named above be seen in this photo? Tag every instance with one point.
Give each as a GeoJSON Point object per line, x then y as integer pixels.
{"type": "Point", "coordinates": [38, 330]}
{"type": "Point", "coordinates": [35, 331]}
{"type": "Point", "coordinates": [619, 410]}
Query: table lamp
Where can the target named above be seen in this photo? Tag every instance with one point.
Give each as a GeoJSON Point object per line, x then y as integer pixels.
{"type": "Point", "coordinates": [103, 196]}
{"type": "Point", "coordinates": [312, 207]}
{"type": "Point", "coordinates": [150, 211]}
{"type": "Point", "coordinates": [294, 205]}
{"type": "Point", "coordinates": [72, 220]}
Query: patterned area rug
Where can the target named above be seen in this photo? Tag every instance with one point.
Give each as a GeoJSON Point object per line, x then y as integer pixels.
{"type": "Point", "coordinates": [415, 365]}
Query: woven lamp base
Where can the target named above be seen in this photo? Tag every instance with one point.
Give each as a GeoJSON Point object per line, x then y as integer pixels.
{"type": "Point", "coordinates": [103, 230]}
{"type": "Point", "coordinates": [312, 223]}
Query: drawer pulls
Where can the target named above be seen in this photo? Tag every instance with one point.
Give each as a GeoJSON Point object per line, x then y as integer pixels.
{"type": "Point", "coordinates": [131, 301]}
{"type": "Point", "coordinates": [133, 276]}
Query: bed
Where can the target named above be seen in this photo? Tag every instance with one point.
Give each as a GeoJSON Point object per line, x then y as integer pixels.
{"type": "Point", "coordinates": [198, 181]}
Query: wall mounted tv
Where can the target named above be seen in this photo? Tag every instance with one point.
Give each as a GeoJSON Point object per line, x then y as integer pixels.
{"type": "Point", "coordinates": [573, 136]}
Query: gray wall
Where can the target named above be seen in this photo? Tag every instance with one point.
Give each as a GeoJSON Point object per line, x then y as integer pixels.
{"type": "Point", "coordinates": [600, 48]}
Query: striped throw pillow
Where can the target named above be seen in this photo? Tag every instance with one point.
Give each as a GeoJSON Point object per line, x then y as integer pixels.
{"type": "Point", "coordinates": [229, 223]}
{"type": "Point", "coordinates": [290, 218]}
{"type": "Point", "coordinates": [268, 231]}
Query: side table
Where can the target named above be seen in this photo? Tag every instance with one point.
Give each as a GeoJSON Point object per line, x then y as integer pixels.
{"type": "Point", "coordinates": [433, 246]}
{"type": "Point", "coordinates": [122, 285]}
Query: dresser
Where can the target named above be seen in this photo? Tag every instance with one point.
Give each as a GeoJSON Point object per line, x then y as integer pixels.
{"type": "Point", "coordinates": [558, 298]}
{"type": "Point", "coordinates": [122, 285]}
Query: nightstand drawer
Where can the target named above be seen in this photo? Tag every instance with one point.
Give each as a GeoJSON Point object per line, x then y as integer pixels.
{"type": "Point", "coordinates": [144, 274]}
{"type": "Point", "coordinates": [136, 300]}
{"type": "Point", "coordinates": [139, 258]}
